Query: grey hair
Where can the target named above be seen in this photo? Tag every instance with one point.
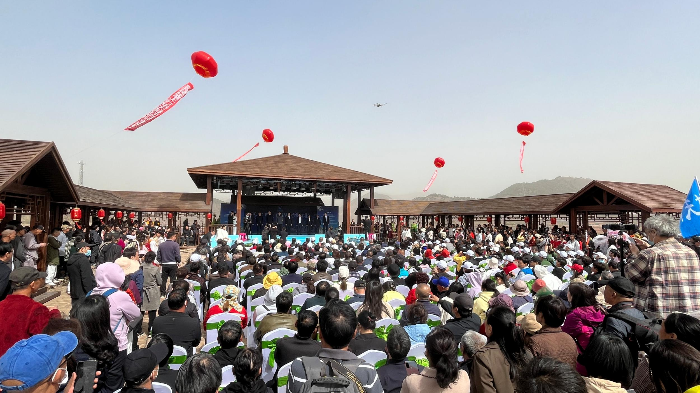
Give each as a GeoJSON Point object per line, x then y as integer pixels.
{"type": "Point", "coordinates": [471, 342]}
{"type": "Point", "coordinates": [664, 225]}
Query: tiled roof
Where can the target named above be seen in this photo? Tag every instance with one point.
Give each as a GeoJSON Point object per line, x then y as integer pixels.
{"type": "Point", "coordinates": [165, 201]}
{"type": "Point", "coordinates": [284, 167]}
{"type": "Point", "coordinates": [393, 207]}
{"type": "Point", "coordinates": [100, 198]}
{"type": "Point", "coordinates": [653, 198]}
{"type": "Point", "coordinates": [541, 204]}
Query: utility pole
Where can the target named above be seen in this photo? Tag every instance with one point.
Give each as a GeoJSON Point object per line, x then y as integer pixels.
{"type": "Point", "coordinates": [82, 164]}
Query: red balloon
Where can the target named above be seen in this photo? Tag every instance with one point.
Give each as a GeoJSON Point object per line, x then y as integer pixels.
{"type": "Point", "coordinates": [439, 162]}
{"type": "Point", "coordinates": [526, 128]}
{"type": "Point", "coordinates": [204, 64]}
{"type": "Point", "coordinates": [268, 135]}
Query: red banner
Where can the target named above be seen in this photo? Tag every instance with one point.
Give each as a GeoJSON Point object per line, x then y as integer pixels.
{"type": "Point", "coordinates": [162, 108]}
{"type": "Point", "coordinates": [430, 183]}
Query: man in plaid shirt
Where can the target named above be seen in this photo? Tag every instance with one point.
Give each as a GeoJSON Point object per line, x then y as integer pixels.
{"type": "Point", "coordinates": [667, 275]}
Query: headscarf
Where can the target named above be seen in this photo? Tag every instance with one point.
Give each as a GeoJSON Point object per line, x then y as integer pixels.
{"type": "Point", "coordinates": [271, 279]}
{"type": "Point", "coordinates": [502, 300]}
{"type": "Point", "coordinates": [270, 298]}
{"type": "Point", "coordinates": [231, 299]}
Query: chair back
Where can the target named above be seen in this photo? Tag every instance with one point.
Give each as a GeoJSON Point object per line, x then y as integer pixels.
{"type": "Point", "coordinates": [269, 344]}
{"type": "Point", "coordinates": [210, 348]}
{"type": "Point", "coordinates": [160, 387]}
{"type": "Point", "coordinates": [356, 305]}
{"type": "Point", "coordinates": [375, 358]}
{"type": "Point", "coordinates": [227, 376]}
{"type": "Point", "coordinates": [434, 320]}
{"type": "Point", "coordinates": [177, 358]}
{"type": "Point", "coordinates": [283, 377]}
{"type": "Point", "coordinates": [216, 321]}
{"type": "Point", "coordinates": [525, 308]}
{"type": "Point", "coordinates": [299, 300]}
{"type": "Point", "coordinates": [384, 326]}
{"type": "Point", "coordinates": [402, 289]}
{"type": "Point", "coordinates": [217, 293]}
{"type": "Point", "coordinates": [315, 309]}
{"type": "Point", "coordinates": [417, 354]}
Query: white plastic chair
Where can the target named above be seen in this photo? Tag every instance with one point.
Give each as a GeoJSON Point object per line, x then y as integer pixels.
{"type": "Point", "coordinates": [254, 303]}
{"type": "Point", "coordinates": [356, 305]}
{"type": "Point", "coordinates": [525, 308]}
{"type": "Point", "coordinates": [352, 279]}
{"type": "Point", "coordinates": [528, 277]}
{"type": "Point", "coordinates": [402, 289]}
{"type": "Point", "coordinates": [508, 292]}
{"type": "Point", "coordinates": [301, 270]}
{"type": "Point", "coordinates": [564, 285]}
{"type": "Point", "coordinates": [283, 377]}
{"type": "Point", "coordinates": [384, 326]}
{"type": "Point", "coordinates": [373, 357]}
{"type": "Point", "coordinates": [268, 344]}
{"type": "Point", "coordinates": [210, 348]}
{"type": "Point", "coordinates": [290, 287]}
{"type": "Point", "coordinates": [219, 290]}
{"type": "Point", "coordinates": [567, 276]}
{"type": "Point", "coordinates": [160, 387]}
{"type": "Point", "coordinates": [227, 376]}
{"type": "Point", "coordinates": [550, 268]}
{"type": "Point", "coordinates": [416, 352]}
{"type": "Point", "coordinates": [196, 287]}
{"type": "Point", "coordinates": [434, 320]}
{"type": "Point", "coordinates": [398, 305]}
{"type": "Point", "coordinates": [299, 300]}
{"type": "Point", "coordinates": [334, 277]}
{"type": "Point", "coordinates": [315, 309]}
{"type": "Point", "coordinates": [215, 322]}
{"type": "Point", "coordinates": [177, 358]}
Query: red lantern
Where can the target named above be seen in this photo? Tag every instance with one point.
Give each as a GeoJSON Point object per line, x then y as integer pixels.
{"type": "Point", "coordinates": [2, 210]}
{"type": "Point", "coordinates": [76, 214]}
{"type": "Point", "coordinates": [489, 219]}
{"type": "Point", "coordinates": [401, 218]}
{"type": "Point", "coordinates": [268, 135]}
{"type": "Point", "coordinates": [553, 220]}
{"type": "Point", "coordinates": [460, 218]}
{"type": "Point", "coordinates": [439, 162]}
{"type": "Point", "coordinates": [526, 128]}
{"type": "Point", "coordinates": [119, 215]}
{"type": "Point", "coordinates": [437, 218]}
{"type": "Point", "coordinates": [204, 64]}
{"type": "Point", "coordinates": [170, 216]}
{"type": "Point", "coordinates": [101, 214]}
{"type": "Point", "coordinates": [526, 219]}
{"type": "Point", "coordinates": [132, 215]}
{"type": "Point", "coordinates": [372, 218]}
{"type": "Point", "coordinates": [208, 216]}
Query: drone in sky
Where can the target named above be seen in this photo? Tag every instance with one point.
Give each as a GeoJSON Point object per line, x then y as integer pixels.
{"type": "Point", "coordinates": [379, 105]}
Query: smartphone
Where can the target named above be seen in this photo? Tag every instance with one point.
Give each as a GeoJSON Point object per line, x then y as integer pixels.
{"type": "Point", "coordinates": [85, 376]}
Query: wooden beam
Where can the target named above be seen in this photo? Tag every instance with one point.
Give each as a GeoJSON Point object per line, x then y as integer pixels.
{"type": "Point", "coordinates": [371, 197]}
{"type": "Point", "coordinates": [605, 198]}
{"type": "Point", "coordinates": [210, 192]}
{"type": "Point", "coordinates": [26, 190]}
{"type": "Point", "coordinates": [346, 214]}
{"type": "Point", "coordinates": [608, 208]}
{"type": "Point", "coordinates": [612, 201]}
{"type": "Point", "coordinates": [599, 202]}
{"type": "Point", "coordinates": [239, 196]}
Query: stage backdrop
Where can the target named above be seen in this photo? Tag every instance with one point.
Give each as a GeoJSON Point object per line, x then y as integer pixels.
{"type": "Point", "coordinates": [227, 208]}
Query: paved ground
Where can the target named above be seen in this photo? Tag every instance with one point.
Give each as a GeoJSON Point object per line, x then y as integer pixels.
{"type": "Point", "coordinates": [63, 302]}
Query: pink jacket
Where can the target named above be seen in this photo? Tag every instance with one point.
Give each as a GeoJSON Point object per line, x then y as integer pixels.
{"type": "Point", "coordinates": [122, 309]}
{"type": "Point", "coordinates": [581, 322]}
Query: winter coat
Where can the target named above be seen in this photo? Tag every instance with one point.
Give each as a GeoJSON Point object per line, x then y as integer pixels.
{"type": "Point", "coordinates": [152, 280]}
{"type": "Point", "coordinates": [490, 371]}
{"type": "Point", "coordinates": [52, 257]}
{"type": "Point", "coordinates": [481, 304]}
{"type": "Point", "coordinates": [581, 322]}
{"type": "Point", "coordinates": [595, 385]}
{"type": "Point", "coordinates": [82, 280]}
{"type": "Point", "coordinates": [122, 309]}
{"type": "Point", "coordinates": [426, 382]}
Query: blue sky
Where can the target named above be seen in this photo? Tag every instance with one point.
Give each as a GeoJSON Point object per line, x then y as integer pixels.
{"type": "Point", "coordinates": [613, 88]}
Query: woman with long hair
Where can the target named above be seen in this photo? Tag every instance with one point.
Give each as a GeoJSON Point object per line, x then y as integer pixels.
{"type": "Point", "coordinates": [443, 373]}
{"type": "Point", "coordinates": [230, 305]}
{"type": "Point", "coordinates": [374, 303]}
{"type": "Point", "coordinates": [247, 368]}
{"type": "Point", "coordinates": [679, 326]}
{"type": "Point", "coordinates": [497, 364]}
{"type": "Point", "coordinates": [481, 304]}
{"type": "Point", "coordinates": [152, 280]}
{"type": "Point", "coordinates": [585, 315]}
{"type": "Point", "coordinates": [675, 367]}
{"type": "Point", "coordinates": [609, 364]}
{"type": "Point", "coordinates": [97, 341]}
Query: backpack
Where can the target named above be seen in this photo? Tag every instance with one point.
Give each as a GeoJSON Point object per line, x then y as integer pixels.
{"type": "Point", "coordinates": [341, 378]}
{"type": "Point", "coordinates": [641, 337]}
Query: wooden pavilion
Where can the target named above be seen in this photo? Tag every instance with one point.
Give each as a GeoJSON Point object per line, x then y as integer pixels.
{"type": "Point", "coordinates": [285, 174]}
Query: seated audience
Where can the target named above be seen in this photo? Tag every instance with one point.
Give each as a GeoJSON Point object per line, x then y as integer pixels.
{"type": "Point", "coordinates": [547, 375]}
{"type": "Point", "coordinates": [365, 338]}
{"type": "Point", "coordinates": [165, 374]}
{"type": "Point", "coordinates": [471, 342]}
{"type": "Point", "coordinates": [397, 368]}
{"type": "Point", "coordinates": [550, 341]}
{"type": "Point", "coordinates": [199, 374]}
{"type": "Point", "coordinates": [228, 337]}
{"type": "Point", "coordinates": [141, 368]}
{"type": "Point", "coordinates": [247, 368]}
{"type": "Point", "coordinates": [280, 319]}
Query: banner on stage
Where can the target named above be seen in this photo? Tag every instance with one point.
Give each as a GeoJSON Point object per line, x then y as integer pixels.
{"type": "Point", "coordinates": [356, 238]}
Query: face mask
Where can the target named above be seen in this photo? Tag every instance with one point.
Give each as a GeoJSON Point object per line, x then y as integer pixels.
{"type": "Point", "coordinates": [88, 253]}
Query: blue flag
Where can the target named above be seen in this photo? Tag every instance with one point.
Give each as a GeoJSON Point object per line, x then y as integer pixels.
{"type": "Point", "coordinates": [690, 217]}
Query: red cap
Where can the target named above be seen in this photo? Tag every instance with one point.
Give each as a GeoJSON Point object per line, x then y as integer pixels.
{"type": "Point", "coordinates": [577, 268]}
{"type": "Point", "coordinates": [538, 284]}
{"type": "Point", "coordinates": [510, 267]}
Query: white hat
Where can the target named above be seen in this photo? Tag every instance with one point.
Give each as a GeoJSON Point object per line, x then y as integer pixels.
{"type": "Point", "coordinates": [442, 265]}
{"type": "Point", "coordinates": [543, 254]}
{"type": "Point", "coordinates": [600, 255]}
{"type": "Point", "coordinates": [271, 295]}
{"type": "Point", "coordinates": [470, 253]}
{"type": "Point", "coordinates": [580, 253]}
{"type": "Point", "coordinates": [572, 254]}
{"type": "Point", "coordinates": [515, 249]}
{"type": "Point", "coordinates": [563, 254]}
{"type": "Point", "coordinates": [493, 263]}
{"type": "Point", "coordinates": [509, 258]}
{"type": "Point", "coordinates": [195, 257]}
{"type": "Point", "coordinates": [343, 272]}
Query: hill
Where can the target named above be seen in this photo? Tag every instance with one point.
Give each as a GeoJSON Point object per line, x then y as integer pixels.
{"type": "Point", "coordinates": [558, 185]}
{"type": "Point", "coordinates": [440, 198]}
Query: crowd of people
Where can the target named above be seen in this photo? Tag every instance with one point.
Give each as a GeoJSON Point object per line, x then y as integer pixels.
{"type": "Point", "coordinates": [491, 309]}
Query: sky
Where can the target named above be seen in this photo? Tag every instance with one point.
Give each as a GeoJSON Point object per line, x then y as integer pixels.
{"type": "Point", "coordinates": [613, 88]}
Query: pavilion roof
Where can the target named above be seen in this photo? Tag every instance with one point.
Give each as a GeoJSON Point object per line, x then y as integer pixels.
{"type": "Point", "coordinates": [393, 207]}
{"type": "Point", "coordinates": [101, 198]}
{"type": "Point", "coordinates": [652, 198]}
{"type": "Point", "coordinates": [165, 201]}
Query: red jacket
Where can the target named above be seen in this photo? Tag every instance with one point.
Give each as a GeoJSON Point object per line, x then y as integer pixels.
{"type": "Point", "coordinates": [22, 318]}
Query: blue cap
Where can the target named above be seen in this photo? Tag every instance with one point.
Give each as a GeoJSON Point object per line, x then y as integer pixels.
{"type": "Point", "coordinates": [33, 360]}
{"type": "Point", "coordinates": [442, 281]}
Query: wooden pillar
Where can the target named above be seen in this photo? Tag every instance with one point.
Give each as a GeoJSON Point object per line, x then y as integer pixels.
{"type": "Point", "coordinates": [210, 192]}
{"type": "Point", "coordinates": [645, 216]}
{"type": "Point", "coordinates": [572, 220]}
{"type": "Point", "coordinates": [239, 198]}
{"type": "Point", "coordinates": [359, 201]}
{"type": "Point", "coordinates": [584, 221]}
{"type": "Point", "coordinates": [371, 197]}
{"type": "Point", "coordinates": [346, 213]}
{"type": "Point", "coordinates": [332, 198]}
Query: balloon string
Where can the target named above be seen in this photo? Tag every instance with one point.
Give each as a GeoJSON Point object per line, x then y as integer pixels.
{"type": "Point", "coordinates": [522, 152]}
{"type": "Point", "coordinates": [244, 154]}
{"type": "Point", "coordinates": [430, 183]}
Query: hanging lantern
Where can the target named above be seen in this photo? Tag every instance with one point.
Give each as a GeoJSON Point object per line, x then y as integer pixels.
{"type": "Point", "coordinates": [372, 218]}
{"type": "Point", "coordinates": [119, 215]}
{"type": "Point", "coordinates": [489, 219]}
{"type": "Point", "coordinates": [204, 64]}
{"type": "Point", "coordinates": [401, 218]}
{"type": "Point", "coordinates": [208, 216]}
{"type": "Point", "coordinates": [2, 210]}
{"type": "Point", "coordinates": [132, 215]}
{"type": "Point", "coordinates": [526, 128]}
{"type": "Point", "coordinates": [101, 214]}
{"type": "Point", "coordinates": [526, 219]}
{"type": "Point", "coordinates": [170, 216]}
{"type": "Point", "coordinates": [437, 218]}
{"type": "Point", "coordinates": [553, 220]}
{"type": "Point", "coordinates": [460, 218]}
{"type": "Point", "coordinates": [76, 214]}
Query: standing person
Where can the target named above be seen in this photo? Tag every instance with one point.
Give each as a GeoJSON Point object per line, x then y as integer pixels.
{"type": "Point", "coordinates": [110, 250]}
{"type": "Point", "coordinates": [52, 257]}
{"type": "Point", "coordinates": [169, 257]}
{"type": "Point", "coordinates": [495, 366]}
{"type": "Point", "coordinates": [122, 310]}
{"type": "Point", "coordinates": [443, 374]}
{"type": "Point", "coordinates": [32, 246]}
{"type": "Point", "coordinates": [5, 269]}
{"type": "Point", "coordinates": [22, 316]}
{"type": "Point", "coordinates": [80, 276]}
{"type": "Point", "coordinates": [20, 254]}
{"type": "Point", "coordinates": [664, 271]}
{"type": "Point", "coordinates": [151, 289]}
{"type": "Point", "coordinates": [98, 342]}
{"type": "Point", "coordinates": [619, 293]}
{"type": "Point", "coordinates": [63, 238]}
